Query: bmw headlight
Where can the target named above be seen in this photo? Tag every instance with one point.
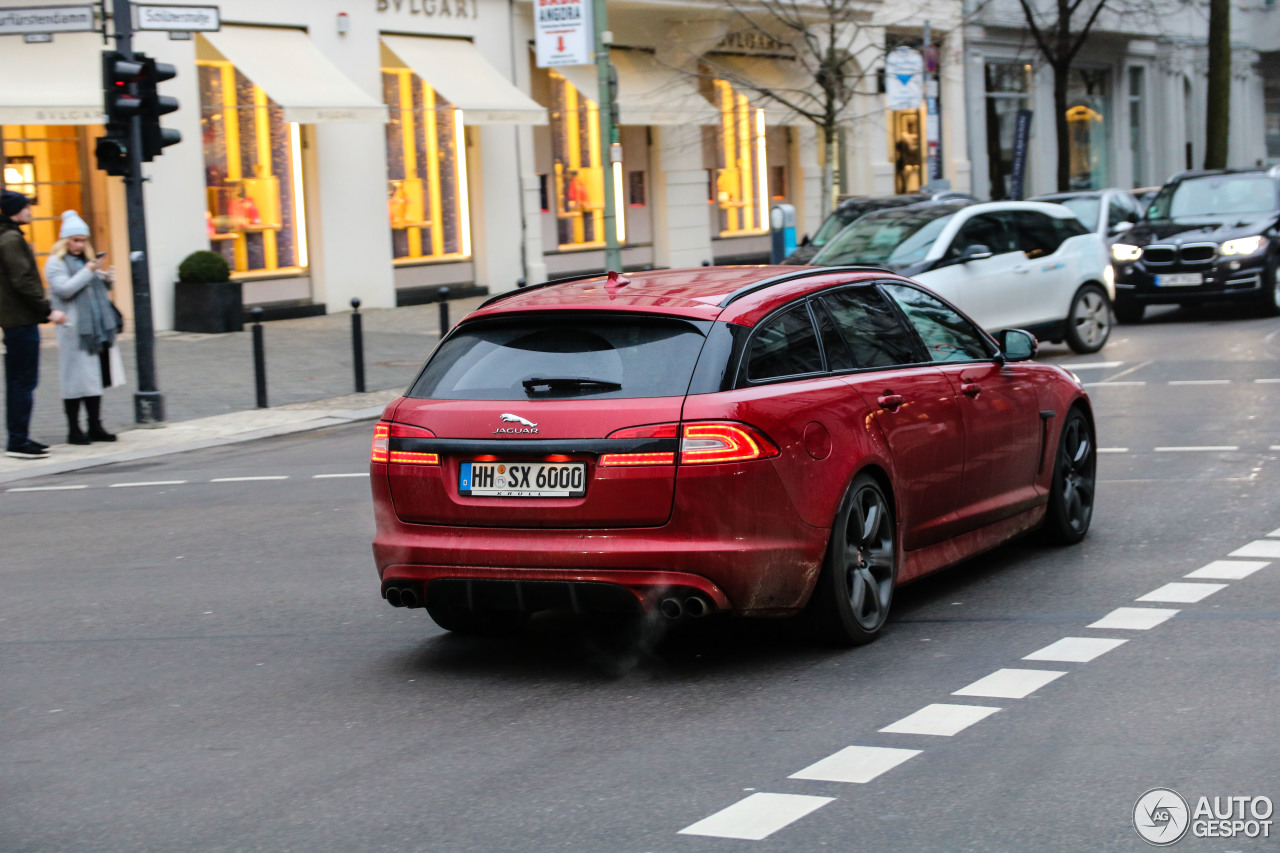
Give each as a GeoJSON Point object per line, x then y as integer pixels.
{"type": "Point", "coordinates": [1245, 245]}
{"type": "Point", "coordinates": [1125, 252]}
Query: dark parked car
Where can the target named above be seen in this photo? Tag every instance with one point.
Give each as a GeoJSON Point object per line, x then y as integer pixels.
{"type": "Point", "coordinates": [1207, 235]}
{"type": "Point", "coordinates": [852, 209]}
{"type": "Point", "coordinates": [736, 440]}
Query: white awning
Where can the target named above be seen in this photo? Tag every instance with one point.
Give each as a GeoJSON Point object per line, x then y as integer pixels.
{"type": "Point", "coordinates": [648, 92]}
{"type": "Point", "coordinates": [457, 70]}
{"type": "Point", "coordinates": [290, 68]}
{"type": "Point", "coordinates": [58, 82]}
{"type": "Point", "coordinates": [785, 76]}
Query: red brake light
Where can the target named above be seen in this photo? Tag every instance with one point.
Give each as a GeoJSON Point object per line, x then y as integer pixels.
{"type": "Point", "coordinates": [648, 431]}
{"type": "Point", "coordinates": [381, 451]}
{"type": "Point", "coordinates": [700, 444]}
{"type": "Point", "coordinates": [705, 443]}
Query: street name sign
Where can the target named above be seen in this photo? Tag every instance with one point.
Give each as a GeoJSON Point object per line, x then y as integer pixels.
{"type": "Point", "coordinates": [46, 19]}
{"type": "Point", "coordinates": [564, 35]}
{"type": "Point", "coordinates": [185, 19]}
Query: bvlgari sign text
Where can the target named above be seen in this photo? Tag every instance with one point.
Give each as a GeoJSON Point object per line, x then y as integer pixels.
{"type": "Point", "coordinates": [432, 8]}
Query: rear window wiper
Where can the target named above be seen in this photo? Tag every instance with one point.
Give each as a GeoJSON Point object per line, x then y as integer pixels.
{"type": "Point", "coordinates": [559, 383]}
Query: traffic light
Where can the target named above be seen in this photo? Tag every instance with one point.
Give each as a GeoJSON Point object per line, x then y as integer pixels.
{"type": "Point", "coordinates": [120, 105]}
{"type": "Point", "coordinates": [154, 137]}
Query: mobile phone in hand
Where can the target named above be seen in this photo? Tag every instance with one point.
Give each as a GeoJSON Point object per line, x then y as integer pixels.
{"type": "Point", "coordinates": [102, 254]}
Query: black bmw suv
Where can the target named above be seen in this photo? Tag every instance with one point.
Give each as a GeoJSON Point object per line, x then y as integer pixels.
{"type": "Point", "coordinates": [1207, 235]}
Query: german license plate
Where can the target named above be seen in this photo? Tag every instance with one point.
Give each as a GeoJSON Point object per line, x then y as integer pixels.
{"type": "Point", "coordinates": [1179, 279]}
{"type": "Point", "coordinates": [523, 479]}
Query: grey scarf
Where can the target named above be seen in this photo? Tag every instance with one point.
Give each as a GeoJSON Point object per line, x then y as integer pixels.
{"type": "Point", "coordinates": [96, 317]}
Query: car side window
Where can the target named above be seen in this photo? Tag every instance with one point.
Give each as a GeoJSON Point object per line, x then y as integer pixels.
{"type": "Point", "coordinates": [872, 328]}
{"type": "Point", "coordinates": [986, 229]}
{"type": "Point", "coordinates": [946, 335]}
{"type": "Point", "coordinates": [1037, 235]}
{"type": "Point", "coordinates": [833, 344]}
{"type": "Point", "coordinates": [786, 345]}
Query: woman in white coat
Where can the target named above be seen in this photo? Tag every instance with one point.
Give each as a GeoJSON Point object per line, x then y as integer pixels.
{"type": "Point", "coordinates": [78, 285]}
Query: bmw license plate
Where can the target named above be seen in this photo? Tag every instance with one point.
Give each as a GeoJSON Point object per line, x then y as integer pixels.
{"type": "Point", "coordinates": [1179, 279]}
{"type": "Point", "coordinates": [523, 479]}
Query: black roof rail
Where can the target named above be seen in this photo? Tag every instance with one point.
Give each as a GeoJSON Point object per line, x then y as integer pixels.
{"type": "Point", "coordinates": [499, 297]}
{"type": "Point", "coordinates": [792, 276]}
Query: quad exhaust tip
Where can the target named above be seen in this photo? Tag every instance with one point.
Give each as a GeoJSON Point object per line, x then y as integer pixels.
{"type": "Point", "coordinates": [402, 597]}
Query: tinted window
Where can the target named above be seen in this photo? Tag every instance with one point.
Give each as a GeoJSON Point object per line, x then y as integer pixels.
{"type": "Point", "coordinates": [833, 345]}
{"type": "Point", "coordinates": [1215, 195]}
{"type": "Point", "coordinates": [785, 346]}
{"type": "Point", "coordinates": [987, 229]}
{"type": "Point", "coordinates": [892, 238]}
{"type": "Point", "coordinates": [1036, 233]}
{"type": "Point", "coordinates": [873, 329]}
{"type": "Point", "coordinates": [946, 335]}
{"type": "Point", "coordinates": [491, 360]}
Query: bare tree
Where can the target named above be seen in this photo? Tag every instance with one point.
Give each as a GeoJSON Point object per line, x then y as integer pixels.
{"type": "Point", "coordinates": [1219, 97]}
{"type": "Point", "coordinates": [828, 40]}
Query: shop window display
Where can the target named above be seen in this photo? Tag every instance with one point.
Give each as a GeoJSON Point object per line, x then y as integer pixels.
{"type": "Point", "coordinates": [740, 174]}
{"type": "Point", "coordinates": [253, 183]}
{"type": "Point", "coordinates": [45, 163]}
{"type": "Point", "coordinates": [426, 164]}
{"type": "Point", "coordinates": [577, 177]}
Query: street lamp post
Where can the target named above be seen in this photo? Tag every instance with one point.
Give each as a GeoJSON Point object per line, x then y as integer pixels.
{"type": "Point", "coordinates": [611, 149]}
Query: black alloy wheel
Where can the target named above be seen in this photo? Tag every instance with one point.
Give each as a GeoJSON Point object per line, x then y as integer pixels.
{"type": "Point", "coordinates": [1074, 486]}
{"type": "Point", "coordinates": [1270, 291]}
{"type": "Point", "coordinates": [1089, 320]}
{"type": "Point", "coordinates": [851, 601]}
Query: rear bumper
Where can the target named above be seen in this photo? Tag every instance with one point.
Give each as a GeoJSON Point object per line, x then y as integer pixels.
{"type": "Point", "coordinates": [755, 557]}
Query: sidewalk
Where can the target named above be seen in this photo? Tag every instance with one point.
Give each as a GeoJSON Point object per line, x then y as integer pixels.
{"type": "Point", "coordinates": [209, 393]}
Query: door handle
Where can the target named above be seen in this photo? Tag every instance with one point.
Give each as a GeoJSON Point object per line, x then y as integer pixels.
{"type": "Point", "coordinates": [1022, 268]}
{"type": "Point", "coordinates": [890, 401]}
{"type": "Point", "coordinates": [970, 389]}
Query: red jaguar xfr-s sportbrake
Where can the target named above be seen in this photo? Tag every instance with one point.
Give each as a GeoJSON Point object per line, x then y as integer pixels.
{"type": "Point", "coordinates": [761, 441]}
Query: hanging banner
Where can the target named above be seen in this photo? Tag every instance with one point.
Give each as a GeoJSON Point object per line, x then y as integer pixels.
{"type": "Point", "coordinates": [563, 32]}
{"type": "Point", "coordinates": [903, 79]}
{"type": "Point", "coordinates": [1021, 138]}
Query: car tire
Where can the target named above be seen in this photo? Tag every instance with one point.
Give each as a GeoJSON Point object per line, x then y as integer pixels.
{"type": "Point", "coordinates": [850, 602]}
{"type": "Point", "coordinates": [1129, 312]}
{"type": "Point", "coordinates": [459, 620]}
{"type": "Point", "coordinates": [1089, 320]}
{"type": "Point", "coordinates": [1072, 492]}
{"type": "Point", "coordinates": [1271, 297]}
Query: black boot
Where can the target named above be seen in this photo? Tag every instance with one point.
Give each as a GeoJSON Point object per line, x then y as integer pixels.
{"type": "Point", "coordinates": [93, 405]}
{"type": "Point", "coordinates": [74, 433]}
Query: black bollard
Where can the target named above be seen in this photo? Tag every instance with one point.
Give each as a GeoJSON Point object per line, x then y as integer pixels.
{"type": "Point", "coordinates": [357, 344]}
{"type": "Point", "coordinates": [259, 359]}
{"type": "Point", "coordinates": [444, 311]}
{"type": "Point", "coordinates": [520, 282]}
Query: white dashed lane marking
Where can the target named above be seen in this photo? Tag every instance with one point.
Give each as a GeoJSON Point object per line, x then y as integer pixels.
{"type": "Point", "coordinates": [336, 476]}
{"type": "Point", "coordinates": [1010, 683]}
{"type": "Point", "coordinates": [1182, 593]}
{"type": "Point", "coordinates": [757, 817]}
{"type": "Point", "coordinates": [1228, 570]}
{"type": "Point", "coordinates": [1075, 649]}
{"type": "Point", "coordinates": [1135, 618]}
{"type": "Point", "coordinates": [248, 479]}
{"type": "Point", "coordinates": [856, 764]}
{"type": "Point", "coordinates": [152, 483]}
{"type": "Point", "coordinates": [1200, 382]}
{"type": "Point", "coordinates": [1274, 532]}
{"type": "Point", "coordinates": [46, 489]}
{"type": "Point", "coordinates": [1258, 548]}
{"type": "Point", "coordinates": [1209, 448]}
{"type": "Point", "coordinates": [940, 720]}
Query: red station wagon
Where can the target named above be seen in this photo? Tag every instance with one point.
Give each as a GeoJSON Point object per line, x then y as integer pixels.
{"type": "Point", "coordinates": [760, 441]}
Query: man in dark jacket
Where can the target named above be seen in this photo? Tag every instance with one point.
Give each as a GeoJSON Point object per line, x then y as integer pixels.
{"type": "Point", "coordinates": [23, 307]}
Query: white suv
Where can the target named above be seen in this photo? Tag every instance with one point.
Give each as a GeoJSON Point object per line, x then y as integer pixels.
{"type": "Point", "coordinates": [1007, 264]}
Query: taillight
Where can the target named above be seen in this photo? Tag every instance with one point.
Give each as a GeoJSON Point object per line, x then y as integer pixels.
{"type": "Point", "coordinates": [655, 431]}
{"type": "Point", "coordinates": [701, 443]}
{"type": "Point", "coordinates": [705, 443]}
{"type": "Point", "coordinates": [382, 452]}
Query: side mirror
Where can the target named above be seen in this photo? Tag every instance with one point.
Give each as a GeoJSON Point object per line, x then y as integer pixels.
{"type": "Point", "coordinates": [1121, 226]}
{"type": "Point", "coordinates": [1018, 345]}
{"type": "Point", "coordinates": [976, 252]}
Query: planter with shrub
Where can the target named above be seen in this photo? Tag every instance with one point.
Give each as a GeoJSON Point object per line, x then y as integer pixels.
{"type": "Point", "coordinates": [205, 298]}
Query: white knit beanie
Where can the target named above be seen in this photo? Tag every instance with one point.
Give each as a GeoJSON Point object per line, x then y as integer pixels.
{"type": "Point", "coordinates": [73, 225]}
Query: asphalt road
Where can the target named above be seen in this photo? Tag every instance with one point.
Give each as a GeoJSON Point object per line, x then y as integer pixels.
{"type": "Point", "coordinates": [194, 661]}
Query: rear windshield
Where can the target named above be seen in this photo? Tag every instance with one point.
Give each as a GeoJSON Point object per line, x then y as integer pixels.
{"type": "Point", "coordinates": [558, 357]}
